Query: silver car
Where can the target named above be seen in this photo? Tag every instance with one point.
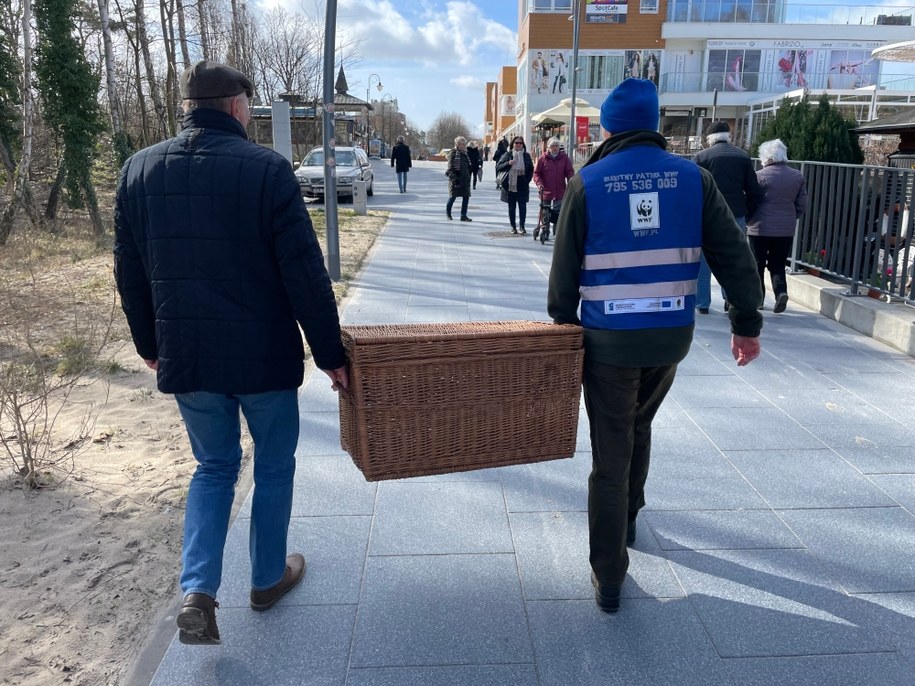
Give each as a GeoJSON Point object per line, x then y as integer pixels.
{"type": "Point", "coordinates": [352, 165]}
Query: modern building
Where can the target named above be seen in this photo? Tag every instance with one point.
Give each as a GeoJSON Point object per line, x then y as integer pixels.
{"type": "Point", "coordinates": [728, 59]}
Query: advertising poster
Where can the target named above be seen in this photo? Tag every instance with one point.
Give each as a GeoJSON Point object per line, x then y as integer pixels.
{"type": "Point", "coordinates": [851, 69]}
{"type": "Point", "coordinates": [643, 64]}
{"type": "Point", "coordinates": [733, 70]}
{"type": "Point", "coordinates": [606, 11]}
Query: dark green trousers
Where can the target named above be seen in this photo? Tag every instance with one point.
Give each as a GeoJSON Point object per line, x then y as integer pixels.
{"type": "Point", "coordinates": [621, 403]}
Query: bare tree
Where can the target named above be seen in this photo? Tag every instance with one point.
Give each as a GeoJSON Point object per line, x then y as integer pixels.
{"type": "Point", "coordinates": [446, 127]}
{"type": "Point", "coordinates": [22, 195]}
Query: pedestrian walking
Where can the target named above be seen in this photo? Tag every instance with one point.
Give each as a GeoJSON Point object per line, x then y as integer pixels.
{"type": "Point", "coordinates": [551, 174]}
{"type": "Point", "coordinates": [771, 226]}
{"type": "Point", "coordinates": [402, 161]}
{"type": "Point", "coordinates": [518, 169]}
{"type": "Point", "coordinates": [632, 225]}
{"type": "Point", "coordinates": [458, 172]}
{"type": "Point", "coordinates": [501, 149]}
{"type": "Point", "coordinates": [218, 266]}
{"type": "Point", "coordinates": [476, 162]}
{"type": "Point", "coordinates": [735, 176]}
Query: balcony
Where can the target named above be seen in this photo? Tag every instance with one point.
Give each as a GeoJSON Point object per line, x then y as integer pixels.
{"type": "Point", "coordinates": [768, 12]}
{"type": "Point", "coordinates": [847, 77]}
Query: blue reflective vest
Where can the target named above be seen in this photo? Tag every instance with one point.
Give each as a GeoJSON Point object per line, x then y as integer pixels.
{"type": "Point", "coordinates": [643, 242]}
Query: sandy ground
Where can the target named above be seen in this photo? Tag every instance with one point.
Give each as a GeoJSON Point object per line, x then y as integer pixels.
{"type": "Point", "coordinates": [89, 560]}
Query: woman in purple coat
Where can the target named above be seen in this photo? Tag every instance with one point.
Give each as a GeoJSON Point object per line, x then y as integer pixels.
{"type": "Point", "coordinates": [770, 228]}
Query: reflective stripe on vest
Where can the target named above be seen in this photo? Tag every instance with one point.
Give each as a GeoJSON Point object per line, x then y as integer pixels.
{"type": "Point", "coordinates": [643, 242]}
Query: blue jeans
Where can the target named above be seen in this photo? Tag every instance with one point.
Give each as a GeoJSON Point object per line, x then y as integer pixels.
{"type": "Point", "coordinates": [704, 284]}
{"type": "Point", "coordinates": [214, 429]}
{"type": "Point", "coordinates": [402, 181]}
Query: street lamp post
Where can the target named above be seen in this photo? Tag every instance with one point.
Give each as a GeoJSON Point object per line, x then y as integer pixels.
{"type": "Point", "coordinates": [367, 89]}
{"type": "Point", "coordinates": [573, 125]}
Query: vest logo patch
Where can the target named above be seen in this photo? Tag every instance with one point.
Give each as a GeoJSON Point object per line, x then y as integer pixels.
{"type": "Point", "coordinates": [644, 211]}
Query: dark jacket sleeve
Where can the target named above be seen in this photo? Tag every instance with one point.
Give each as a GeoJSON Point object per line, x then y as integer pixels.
{"type": "Point", "coordinates": [302, 270]}
{"type": "Point", "coordinates": [563, 295]}
{"type": "Point", "coordinates": [729, 257]}
{"type": "Point", "coordinates": [132, 280]}
{"type": "Point", "coordinates": [800, 202]}
{"type": "Point", "coordinates": [751, 188]}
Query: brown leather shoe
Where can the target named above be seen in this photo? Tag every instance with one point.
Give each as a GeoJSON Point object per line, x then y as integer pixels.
{"type": "Point", "coordinates": [295, 570]}
{"type": "Point", "coordinates": [197, 621]}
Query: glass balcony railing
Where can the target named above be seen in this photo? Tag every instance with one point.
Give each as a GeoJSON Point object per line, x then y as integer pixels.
{"type": "Point", "coordinates": [778, 82]}
{"type": "Point", "coordinates": [798, 12]}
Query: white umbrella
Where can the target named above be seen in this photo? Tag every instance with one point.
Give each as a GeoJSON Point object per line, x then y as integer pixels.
{"type": "Point", "coordinates": [895, 52]}
{"type": "Point", "coordinates": [563, 111]}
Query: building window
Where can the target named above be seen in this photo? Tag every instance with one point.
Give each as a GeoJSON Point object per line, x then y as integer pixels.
{"type": "Point", "coordinates": [550, 5]}
{"type": "Point", "coordinates": [648, 6]}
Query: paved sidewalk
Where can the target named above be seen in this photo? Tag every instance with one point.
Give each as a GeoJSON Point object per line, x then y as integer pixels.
{"type": "Point", "coordinates": [777, 546]}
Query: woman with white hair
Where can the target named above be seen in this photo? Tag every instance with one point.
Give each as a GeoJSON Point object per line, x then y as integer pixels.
{"type": "Point", "coordinates": [458, 173]}
{"type": "Point", "coordinates": [771, 226]}
{"type": "Point", "coordinates": [551, 174]}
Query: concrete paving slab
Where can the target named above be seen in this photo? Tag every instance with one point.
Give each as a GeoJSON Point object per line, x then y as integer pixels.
{"type": "Point", "coordinates": [440, 518]}
{"type": "Point", "coordinates": [441, 610]}
{"type": "Point", "coordinates": [318, 654]}
{"type": "Point", "coordinates": [720, 530]}
{"type": "Point", "coordinates": [759, 428]}
{"type": "Point", "coordinates": [772, 603]}
{"type": "Point", "coordinates": [803, 479]}
{"type": "Point", "coordinates": [471, 675]}
{"type": "Point", "coordinates": [863, 548]}
{"type": "Point", "coordinates": [836, 670]}
{"type": "Point", "coordinates": [648, 642]}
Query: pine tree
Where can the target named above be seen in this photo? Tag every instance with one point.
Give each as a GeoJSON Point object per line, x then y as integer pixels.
{"type": "Point", "coordinates": [819, 134]}
{"type": "Point", "coordinates": [68, 89]}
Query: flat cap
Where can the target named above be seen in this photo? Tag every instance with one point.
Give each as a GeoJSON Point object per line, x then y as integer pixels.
{"type": "Point", "coordinates": [718, 127]}
{"type": "Point", "coordinates": [207, 79]}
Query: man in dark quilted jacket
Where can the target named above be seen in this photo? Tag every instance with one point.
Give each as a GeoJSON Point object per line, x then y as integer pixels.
{"type": "Point", "coordinates": [218, 267]}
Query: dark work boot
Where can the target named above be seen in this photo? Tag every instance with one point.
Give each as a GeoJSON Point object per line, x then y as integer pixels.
{"type": "Point", "coordinates": [607, 597]}
{"type": "Point", "coordinates": [197, 621]}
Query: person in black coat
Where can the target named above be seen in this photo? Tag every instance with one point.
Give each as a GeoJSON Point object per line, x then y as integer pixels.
{"type": "Point", "coordinates": [501, 149]}
{"type": "Point", "coordinates": [516, 188]}
{"type": "Point", "coordinates": [476, 162]}
{"type": "Point", "coordinates": [218, 266]}
{"type": "Point", "coordinates": [401, 160]}
{"type": "Point", "coordinates": [457, 170]}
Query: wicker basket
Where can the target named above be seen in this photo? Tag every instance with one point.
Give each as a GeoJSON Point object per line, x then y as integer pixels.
{"type": "Point", "coordinates": [438, 398]}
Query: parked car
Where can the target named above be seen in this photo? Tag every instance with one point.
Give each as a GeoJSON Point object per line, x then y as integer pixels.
{"type": "Point", "coordinates": [352, 165]}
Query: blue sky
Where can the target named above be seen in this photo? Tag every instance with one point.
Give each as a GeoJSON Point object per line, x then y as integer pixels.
{"type": "Point", "coordinates": [432, 55]}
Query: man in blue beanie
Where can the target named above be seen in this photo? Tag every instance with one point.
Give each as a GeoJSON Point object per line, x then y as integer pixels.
{"type": "Point", "coordinates": [632, 227]}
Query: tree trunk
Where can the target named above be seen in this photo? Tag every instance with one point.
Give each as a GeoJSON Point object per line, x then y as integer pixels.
{"type": "Point", "coordinates": [22, 193]}
{"type": "Point", "coordinates": [116, 127]}
{"type": "Point", "coordinates": [236, 37]}
{"type": "Point", "coordinates": [203, 25]}
{"type": "Point", "coordinates": [145, 138]}
{"type": "Point", "coordinates": [182, 36]}
{"type": "Point", "coordinates": [153, 86]}
{"type": "Point", "coordinates": [50, 210]}
{"type": "Point", "coordinates": [168, 37]}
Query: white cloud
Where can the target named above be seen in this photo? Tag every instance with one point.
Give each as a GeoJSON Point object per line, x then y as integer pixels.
{"type": "Point", "coordinates": [469, 82]}
{"type": "Point", "coordinates": [454, 35]}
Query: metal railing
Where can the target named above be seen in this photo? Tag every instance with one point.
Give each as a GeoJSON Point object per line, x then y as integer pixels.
{"type": "Point", "coordinates": [768, 12]}
{"type": "Point", "coordinates": [858, 227]}
{"type": "Point", "coordinates": [781, 82]}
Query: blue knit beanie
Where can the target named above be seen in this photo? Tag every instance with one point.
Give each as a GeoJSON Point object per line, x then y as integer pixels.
{"type": "Point", "coordinates": [631, 105]}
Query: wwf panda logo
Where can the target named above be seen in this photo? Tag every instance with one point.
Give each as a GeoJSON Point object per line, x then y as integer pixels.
{"type": "Point", "coordinates": [644, 211]}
